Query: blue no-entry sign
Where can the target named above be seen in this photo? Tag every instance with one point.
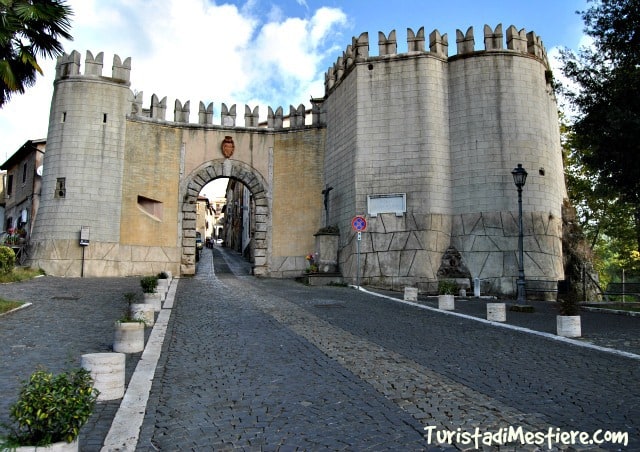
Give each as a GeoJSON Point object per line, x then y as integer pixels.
{"type": "Point", "coordinates": [359, 223]}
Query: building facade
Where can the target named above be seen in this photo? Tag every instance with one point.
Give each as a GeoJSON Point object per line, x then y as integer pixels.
{"type": "Point", "coordinates": [22, 186]}
{"type": "Point", "coordinates": [421, 144]}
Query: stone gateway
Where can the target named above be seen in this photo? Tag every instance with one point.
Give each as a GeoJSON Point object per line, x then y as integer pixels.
{"type": "Point", "coordinates": [421, 144]}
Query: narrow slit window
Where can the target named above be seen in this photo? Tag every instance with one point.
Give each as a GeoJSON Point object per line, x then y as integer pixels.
{"type": "Point", "coordinates": [104, 118]}
{"type": "Point", "coordinates": [63, 118]}
{"type": "Point", "coordinates": [61, 189]}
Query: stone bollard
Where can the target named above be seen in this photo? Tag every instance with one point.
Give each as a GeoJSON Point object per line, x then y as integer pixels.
{"type": "Point", "coordinates": [144, 312]}
{"type": "Point", "coordinates": [411, 294]}
{"type": "Point", "coordinates": [154, 300]}
{"type": "Point", "coordinates": [497, 312]}
{"type": "Point", "coordinates": [163, 287]}
{"type": "Point", "coordinates": [108, 373]}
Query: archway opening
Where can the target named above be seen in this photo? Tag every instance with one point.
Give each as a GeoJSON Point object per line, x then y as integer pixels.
{"type": "Point", "coordinates": [246, 198]}
{"type": "Point", "coordinates": [226, 216]}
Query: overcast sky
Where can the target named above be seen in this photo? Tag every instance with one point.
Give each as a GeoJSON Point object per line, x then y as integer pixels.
{"type": "Point", "coordinates": [259, 52]}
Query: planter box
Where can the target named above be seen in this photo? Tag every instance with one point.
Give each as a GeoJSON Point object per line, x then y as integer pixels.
{"type": "Point", "coordinates": [128, 337]}
{"type": "Point", "coordinates": [143, 311]}
{"type": "Point", "coordinates": [497, 312]}
{"type": "Point", "coordinates": [568, 325]}
{"type": "Point", "coordinates": [446, 302]}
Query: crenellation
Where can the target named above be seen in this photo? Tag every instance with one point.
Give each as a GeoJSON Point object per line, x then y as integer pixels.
{"type": "Point", "coordinates": [318, 112]}
{"type": "Point", "coordinates": [517, 40]}
{"type": "Point", "coordinates": [361, 47]}
{"type": "Point", "coordinates": [439, 44]}
{"type": "Point", "coordinates": [466, 42]}
{"type": "Point", "coordinates": [415, 43]}
{"type": "Point", "coordinates": [205, 114]}
{"type": "Point", "coordinates": [180, 112]}
{"type": "Point", "coordinates": [158, 108]}
{"type": "Point", "coordinates": [275, 120]}
{"type": "Point", "coordinates": [493, 38]}
{"type": "Point", "coordinates": [121, 71]}
{"type": "Point", "coordinates": [297, 116]}
{"type": "Point", "coordinates": [68, 65]}
{"type": "Point", "coordinates": [535, 47]}
{"type": "Point", "coordinates": [136, 104]}
{"type": "Point", "coordinates": [228, 115]}
{"type": "Point", "coordinates": [387, 45]}
{"type": "Point", "coordinates": [251, 118]}
{"type": "Point", "coordinates": [93, 66]}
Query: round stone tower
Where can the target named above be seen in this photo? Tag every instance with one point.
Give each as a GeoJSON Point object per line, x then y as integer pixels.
{"type": "Point", "coordinates": [83, 164]}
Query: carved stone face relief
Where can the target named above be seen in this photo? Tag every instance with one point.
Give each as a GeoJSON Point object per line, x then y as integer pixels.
{"type": "Point", "coordinates": [228, 146]}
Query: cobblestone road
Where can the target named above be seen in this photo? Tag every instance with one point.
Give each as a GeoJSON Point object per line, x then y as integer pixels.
{"type": "Point", "coordinates": [275, 365]}
{"type": "Point", "coordinates": [258, 364]}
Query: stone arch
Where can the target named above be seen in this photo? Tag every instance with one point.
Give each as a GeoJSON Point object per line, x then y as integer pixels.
{"type": "Point", "coordinates": [191, 186]}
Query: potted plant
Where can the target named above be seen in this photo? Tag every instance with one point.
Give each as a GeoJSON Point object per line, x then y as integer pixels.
{"type": "Point", "coordinates": [149, 285]}
{"type": "Point", "coordinates": [446, 292]}
{"type": "Point", "coordinates": [51, 410]}
{"type": "Point", "coordinates": [129, 331]}
{"type": "Point", "coordinates": [568, 318]}
{"type": "Point", "coordinates": [139, 311]}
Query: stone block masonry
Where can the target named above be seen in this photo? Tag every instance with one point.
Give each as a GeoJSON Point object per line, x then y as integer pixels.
{"type": "Point", "coordinates": [440, 133]}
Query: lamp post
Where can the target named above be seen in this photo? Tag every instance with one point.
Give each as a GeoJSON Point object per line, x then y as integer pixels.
{"type": "Point", "coordinates": [519, 178]}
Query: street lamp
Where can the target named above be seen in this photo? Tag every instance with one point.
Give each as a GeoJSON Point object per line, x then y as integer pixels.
{"type": "Point", "coordinates": [519, 178]}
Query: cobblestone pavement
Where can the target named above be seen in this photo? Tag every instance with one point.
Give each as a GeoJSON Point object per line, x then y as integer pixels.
{"type": "Point", "coordinates": [275, 365]}
{"type": "Point", "coordinates": [259, 364]}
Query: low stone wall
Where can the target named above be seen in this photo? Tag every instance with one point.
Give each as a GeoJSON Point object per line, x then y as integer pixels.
{"type": "Point", "coordinates": [64, 258]}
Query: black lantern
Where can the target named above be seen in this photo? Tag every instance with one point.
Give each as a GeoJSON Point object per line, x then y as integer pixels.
{"type": "Point", "coordinates": [519, 178]}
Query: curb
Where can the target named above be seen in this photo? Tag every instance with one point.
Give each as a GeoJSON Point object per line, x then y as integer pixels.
{"type": "Point", "coordinates": [125, 428]}
{"type": "Point", "coordinates": [509, 327]}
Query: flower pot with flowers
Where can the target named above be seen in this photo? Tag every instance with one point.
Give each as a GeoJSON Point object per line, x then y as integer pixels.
{"type": "Point", "coordinates": [312, 266]}
{"type": "Point", "coordinates": [50, 411]}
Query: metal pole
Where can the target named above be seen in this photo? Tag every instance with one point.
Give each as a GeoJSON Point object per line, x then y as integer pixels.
{"type": "Point", "coordinates": [358, 260]}
{"type": "Point", "coordinates": [521, 283]}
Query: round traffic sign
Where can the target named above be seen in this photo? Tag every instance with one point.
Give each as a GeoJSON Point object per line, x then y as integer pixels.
{"type": "Point", "coordinates": [359, 223]}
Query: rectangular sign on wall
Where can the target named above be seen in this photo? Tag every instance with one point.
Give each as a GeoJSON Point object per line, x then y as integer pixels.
{"type": "Point", "coordinates": [389, 203]}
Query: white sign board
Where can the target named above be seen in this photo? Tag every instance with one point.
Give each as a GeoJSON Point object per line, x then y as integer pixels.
{"type": "Point", "coordinates": [390, 203]}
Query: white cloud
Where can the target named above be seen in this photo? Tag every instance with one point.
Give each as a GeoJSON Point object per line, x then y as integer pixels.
{"type": "Point", "coordinates": [191, 50]}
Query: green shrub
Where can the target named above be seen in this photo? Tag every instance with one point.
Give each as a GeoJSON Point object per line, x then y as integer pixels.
{"type": "Point", "coordinates": [163, 275]}
{"type": "Point", "coordinates": [447, 287]}
{"type": "Point", "coordinates": [7, 260]}
{"type": "Point", "coordinates": [52, 408]}
{"type": "Point", "coordinates": [149, 284]}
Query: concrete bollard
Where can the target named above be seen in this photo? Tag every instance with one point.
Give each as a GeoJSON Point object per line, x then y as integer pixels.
{"type": "Point", "coordinates": [411, 294]}
{"type": "Point", "coordinates": [144, 312]}
{"type": "Point", "coordinates": [108, 373]}
{"type": "Point", "coordinates": [154, 300]}
{"type": "Point", "coordinates": [476, 287]}
{"type": "Point", "coordinates": [497, 312]}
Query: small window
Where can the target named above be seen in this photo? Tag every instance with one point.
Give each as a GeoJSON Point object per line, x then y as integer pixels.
{"type": "Point", "coordinates": [104, 118]}
{"type": "Point", "coordinates": [63, 118]}
{"type": "Point", "coordinates": [61, 189]}
{"type": "Point", "coordinates": [9, 185]}
{"type": "Point", "coordinates": [24, 172]}
{"type": "Point", "coordinates": [151, 207]}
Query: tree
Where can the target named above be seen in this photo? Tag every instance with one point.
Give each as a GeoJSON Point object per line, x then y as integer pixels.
{"type": "Point", "coordinates": [607, 99]}
{"type": "Point", "coordinates": [29, 29]}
